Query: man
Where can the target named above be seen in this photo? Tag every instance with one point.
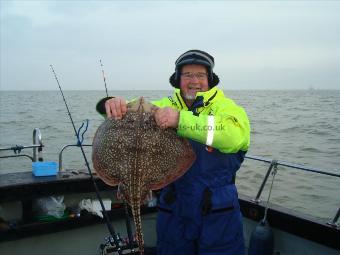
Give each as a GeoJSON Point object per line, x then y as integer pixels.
{"type": "Point", "coordinates": [199, 213]}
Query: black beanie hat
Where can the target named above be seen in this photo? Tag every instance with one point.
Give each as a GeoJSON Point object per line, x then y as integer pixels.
{"type": "Point", "coordinates": [197, 57]}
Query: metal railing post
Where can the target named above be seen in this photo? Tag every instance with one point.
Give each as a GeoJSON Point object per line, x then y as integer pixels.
{"type": "Point", "coordinates": [257, 198]}
{"type": "Point", "coordinates": [62, 150]}
{"type": "Point", "coordinates": [37, 151]}
{"type": "Point", "coordinates": [335, 219]}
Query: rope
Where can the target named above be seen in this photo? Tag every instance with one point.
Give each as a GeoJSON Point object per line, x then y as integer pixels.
{"type": "Point", "coordinates": [80, 142]}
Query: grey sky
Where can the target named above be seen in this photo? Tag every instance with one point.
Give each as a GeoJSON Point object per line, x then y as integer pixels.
{"type": "Point", "coordinates": [256, 44]}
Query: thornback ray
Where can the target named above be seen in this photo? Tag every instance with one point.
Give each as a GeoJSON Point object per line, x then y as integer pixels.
{"type": "Point", "coordinates": [139, 156]}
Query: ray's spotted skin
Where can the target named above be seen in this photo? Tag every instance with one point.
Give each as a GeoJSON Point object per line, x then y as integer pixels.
{"type": "Point", "coordinates": [139, 156]}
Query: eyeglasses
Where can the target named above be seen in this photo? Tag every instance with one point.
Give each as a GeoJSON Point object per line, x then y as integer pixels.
{"type": "Point", "coordinates": [190, 76]}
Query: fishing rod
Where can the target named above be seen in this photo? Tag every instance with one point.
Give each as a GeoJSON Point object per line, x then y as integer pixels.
{"type": "Point", "coordinates": [127, 216]}
{"type": "Point", "coordinates": [107, 95]}
{"type": "Point", "coordinates": [107, 220]}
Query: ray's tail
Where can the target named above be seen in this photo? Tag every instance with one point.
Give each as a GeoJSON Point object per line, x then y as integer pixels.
{"type": "Point", "coordinates": [138, 224]}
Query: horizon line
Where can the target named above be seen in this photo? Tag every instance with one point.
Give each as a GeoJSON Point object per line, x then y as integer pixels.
{"type": "Point", "coordinates": [279, 89]}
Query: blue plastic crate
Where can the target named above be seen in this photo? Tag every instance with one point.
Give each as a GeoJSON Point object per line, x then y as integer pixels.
{"type": "Point", "coordinates": [46, 168]}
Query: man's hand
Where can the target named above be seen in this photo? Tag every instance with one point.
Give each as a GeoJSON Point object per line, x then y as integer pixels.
{"type": "Point", "coordinates": [166, 117]}
{"type": "Point", "coordinates": [115, 108]}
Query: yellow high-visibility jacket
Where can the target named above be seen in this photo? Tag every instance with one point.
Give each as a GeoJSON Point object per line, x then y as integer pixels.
{"type": "Point", "coordinates": [217, 121]}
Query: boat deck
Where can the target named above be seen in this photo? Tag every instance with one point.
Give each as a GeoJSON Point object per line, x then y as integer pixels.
{"type": "Point", "coordinates": [23, 187]}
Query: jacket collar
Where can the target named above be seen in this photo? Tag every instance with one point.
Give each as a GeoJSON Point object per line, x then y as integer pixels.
{"type": "Point", "coordinates": [202, 98]}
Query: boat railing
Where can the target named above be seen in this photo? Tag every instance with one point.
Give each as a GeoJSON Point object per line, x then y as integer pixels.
{"type": "Point", "coordinates": [37, 147]}
{"type": "Point", "coordinates": [62, 150]}
{"type": "Point", "coordinates": [273, 164]}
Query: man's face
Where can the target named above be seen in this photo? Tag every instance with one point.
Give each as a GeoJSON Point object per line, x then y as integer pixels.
{"type": "Point", "coordinates": [194, 78]}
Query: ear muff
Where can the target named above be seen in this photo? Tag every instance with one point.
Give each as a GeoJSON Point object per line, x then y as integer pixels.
{"type": "Point", "coordinates": [215, 80]}
{"type": "Point", "coordinates": [173, 81]}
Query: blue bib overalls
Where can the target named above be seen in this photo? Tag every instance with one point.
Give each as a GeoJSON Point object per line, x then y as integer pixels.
{"type": "Point", "coordinates": [199, 213]}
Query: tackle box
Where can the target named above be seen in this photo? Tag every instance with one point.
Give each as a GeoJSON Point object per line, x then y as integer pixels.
{"type": "Point", "coordinates": [46, 168]}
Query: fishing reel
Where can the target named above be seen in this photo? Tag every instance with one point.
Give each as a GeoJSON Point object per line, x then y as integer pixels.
{"type": "Point", "coordinates": [124, 246]}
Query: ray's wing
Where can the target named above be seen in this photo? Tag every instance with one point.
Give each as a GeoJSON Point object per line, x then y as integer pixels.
{"type": "Point", "coordinates": [169, 157]}
{"type": "Point", "coordinates": [113, 151]}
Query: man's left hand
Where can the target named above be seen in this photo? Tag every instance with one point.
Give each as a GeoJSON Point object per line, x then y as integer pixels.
{"type": "Point", "coordinates": [166, 117]}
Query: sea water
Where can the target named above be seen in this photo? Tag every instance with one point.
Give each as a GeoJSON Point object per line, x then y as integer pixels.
{"type": "Point", "coordinates": [300, 127]}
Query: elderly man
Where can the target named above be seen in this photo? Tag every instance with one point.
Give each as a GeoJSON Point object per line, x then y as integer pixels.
{"type": "Point", "coordinates": [199, 213]}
